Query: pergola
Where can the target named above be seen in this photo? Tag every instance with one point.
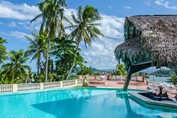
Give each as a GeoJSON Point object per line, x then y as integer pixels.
{"type": "Point", "coordinates": [149, 41]}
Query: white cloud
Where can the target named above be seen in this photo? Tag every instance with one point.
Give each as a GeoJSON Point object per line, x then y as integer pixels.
{"type": "Point", "coordinates": [100, 55]}
{"type": "Point", "coordinates": [111, 26]}
{"type": "Point", "coordinates": [127, 7]}
{"type": "Point", "coordinates": [165, 4]}
{"type": "Point", "coordinates": [17, 11]}
{"type": "Point", "coordinates": [16, 34]}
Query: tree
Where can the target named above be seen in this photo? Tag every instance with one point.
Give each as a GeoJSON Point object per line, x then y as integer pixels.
{"type": "Point", "coordinates": [85, 27]}
{"type": "Point", "coordinates": [37, 48]}
{"type": "Point", "coordinates": [85, 71]}
{"type": "Point", "coordinates": [64, 51]}
{"type": "Point", "coordinates": [121, 70]}
{"type": "Point", "coordinates": [16, 69]}
{"type": "Point", "coordinates": [2, 50]}
{"type": "Point", "coordinates": [52, 14]}
{"type": "Point", "coordinates": [173, 80]}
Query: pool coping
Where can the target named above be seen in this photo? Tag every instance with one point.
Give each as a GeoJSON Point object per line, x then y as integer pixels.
{"type": "Point", "coordinates": [64, 88]}
{"type": "Point", "coordinates": [165, 103]}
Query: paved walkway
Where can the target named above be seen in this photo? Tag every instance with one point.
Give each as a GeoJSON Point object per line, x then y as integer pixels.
{"type": "Point", "coordinates": [117, 84]}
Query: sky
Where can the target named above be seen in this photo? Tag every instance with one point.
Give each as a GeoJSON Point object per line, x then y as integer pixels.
{"type": "Point", "coordinates": [15, 16]}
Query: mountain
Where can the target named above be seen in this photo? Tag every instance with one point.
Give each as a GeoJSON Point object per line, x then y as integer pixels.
{"type": "Point", "coordinates": [104, 70]}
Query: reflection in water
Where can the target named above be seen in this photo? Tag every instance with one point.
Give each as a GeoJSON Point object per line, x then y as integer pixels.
{"type": "Point", "coordinates": [133, 113]}
{"type": "Point", "coordinates": [130, 112]}
{"type": "Point", "coordinates": [78, 103]}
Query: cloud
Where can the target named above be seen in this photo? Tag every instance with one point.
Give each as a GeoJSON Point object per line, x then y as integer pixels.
{"type": "Point", "coordinates": [111, 26]}
{"type": "Point", "coordinates": [127, 7]}
{"type": "Point", "coordinates": [100, 55]}
{"type": "Point", "coordinates": [17, 11]}
{"type": "Point", "coordinates": [16, 34]}
{"type": "Point", "coordinates": [165, 4]}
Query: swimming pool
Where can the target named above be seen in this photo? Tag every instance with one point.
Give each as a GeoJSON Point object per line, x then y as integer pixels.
{"type": "Point", "coordinates": [79, 103]}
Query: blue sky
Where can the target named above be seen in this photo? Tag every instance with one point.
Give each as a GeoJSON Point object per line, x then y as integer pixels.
{"type": "Point", "coordinates": [16, 14]}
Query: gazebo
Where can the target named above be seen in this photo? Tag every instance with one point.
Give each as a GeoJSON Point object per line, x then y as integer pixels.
{"type": "Point", "coordinates": [150, 40]}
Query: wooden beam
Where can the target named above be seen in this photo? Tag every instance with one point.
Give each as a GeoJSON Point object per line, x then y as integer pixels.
{"type": "Point", "coordinates": [133, 69]}
{"type": "Point", "coordinates": [127, 79]}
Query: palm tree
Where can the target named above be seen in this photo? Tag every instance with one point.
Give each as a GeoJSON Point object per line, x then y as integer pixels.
{"type": "Point", "coordinates": [16, 68]}
{"type": "Point", "coordinates": [37, 48]}
{"type": "Point", "coordinates": [2, 50]}
{"type": "Point", "coordinates": [85, 28]}
{"type": "Point", "coordinates": [52, 16]}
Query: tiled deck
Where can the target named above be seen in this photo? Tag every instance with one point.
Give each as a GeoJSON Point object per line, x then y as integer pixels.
{"type": "Point", "coordinates": [117, 84]}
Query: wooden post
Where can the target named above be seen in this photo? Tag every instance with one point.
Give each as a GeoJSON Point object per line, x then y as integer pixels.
{"type": "Point", "coordinates": [94, 77]}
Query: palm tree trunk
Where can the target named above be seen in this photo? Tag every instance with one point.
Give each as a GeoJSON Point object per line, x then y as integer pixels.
{"type": "Point", "coordinates": [38, 66]}
{"type": "Point", "coordinates": [46, 66]}
{"type": "Point", "coordinates": [47, 62]}
{"type": "Point", "coordinates": [71, 69]}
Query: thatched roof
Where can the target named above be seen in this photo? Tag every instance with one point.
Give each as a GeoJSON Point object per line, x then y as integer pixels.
{"type": "Point", "coordinates": [156, 42]}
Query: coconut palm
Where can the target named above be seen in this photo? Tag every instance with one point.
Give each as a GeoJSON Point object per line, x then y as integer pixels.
{"type": "Point", "coordinates": [37, 48]}
{"type": "Point", "coordinates": [85, 28]}
{"type": "Point", "coordinates": [52, 16]}
{"type": "Point", "coordinates": [2, 50]}
{"type": "Point", "coordinates": [16, 69]}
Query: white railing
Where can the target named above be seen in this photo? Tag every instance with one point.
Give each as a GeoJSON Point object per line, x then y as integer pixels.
{"type": "Point", "coordinates": [79, 82]}
{"type": "Point", "coordinates": [6, 88]}
{"type": "Point", "coordinates": [30, 86]}
{"type": "Point", "coordinates": [38, 86]}
{"type": "Point", "coordinates": [51, 85]}
{"type": "Point", "coordinates": [69, 83]}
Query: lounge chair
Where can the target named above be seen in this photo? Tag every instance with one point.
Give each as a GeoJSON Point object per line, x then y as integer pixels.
{"type": "Point", "coordinates": [172, 93]}
{"type": "Point", "coordinates": [103, 77]}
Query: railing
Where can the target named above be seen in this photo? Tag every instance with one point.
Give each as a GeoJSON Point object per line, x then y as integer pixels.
{"type": "Point", "coordinates": [68, 83]}
{"type": "Point", "coordinates": [38, 86]}
{"type": "Point", "coordinates": [79, 82]}
{"type": "Point", "coordinates": [30, 86]}
{"type": "Point", "coordinates": [6, 88]}
{"type": "Point", "coordinates": [51, 85]}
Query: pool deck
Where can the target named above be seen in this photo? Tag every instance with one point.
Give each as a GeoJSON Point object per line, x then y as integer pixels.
{"type": "Point", "coordinates": [117, 84]}
{"type": "Point", "coordinates": [165, 103]}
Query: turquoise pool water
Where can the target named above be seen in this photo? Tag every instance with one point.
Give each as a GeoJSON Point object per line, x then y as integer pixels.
{"type": "Point", "coordinates": [79, 103]}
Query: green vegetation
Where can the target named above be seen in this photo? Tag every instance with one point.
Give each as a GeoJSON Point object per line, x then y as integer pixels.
{"type": "Point", "coordinates": [121, 70]}
{"type": "Point", "coordinates": [57, 54]}
{"type": "Point", "coordinates": [15, 71]}
{"type": "Point", "coordinates": [2, 50]}
{"type": "Point", "coordinates": [173, 80]}
{"type": "Point", "coordinates": [85, 71]}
